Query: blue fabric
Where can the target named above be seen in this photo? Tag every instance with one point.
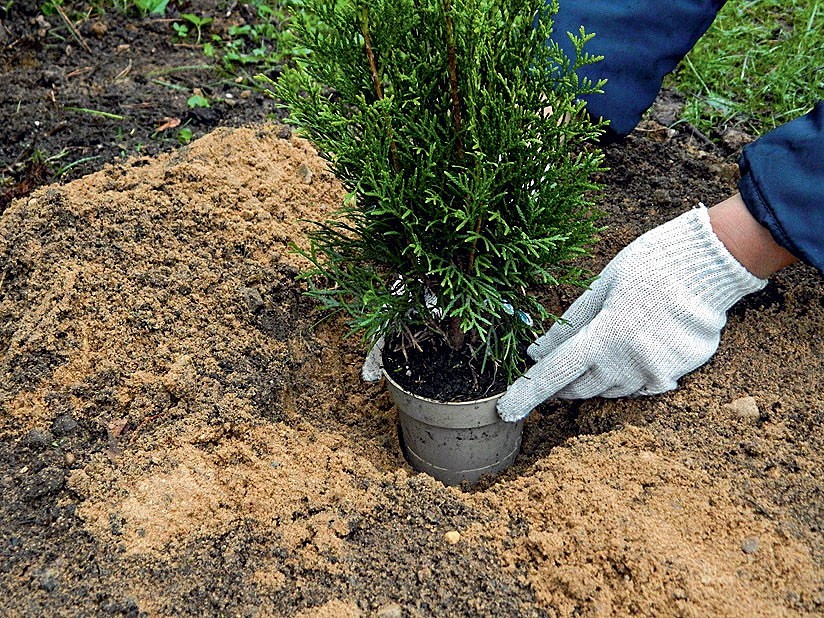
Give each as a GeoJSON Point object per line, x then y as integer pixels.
{"type": "Point", "coordinates": [782, 180]}
{"type": "Point", "coordinates": [641, 41]}
{"type": "Point", "coordinates": [782, 184]}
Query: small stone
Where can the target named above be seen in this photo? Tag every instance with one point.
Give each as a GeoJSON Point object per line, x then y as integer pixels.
{"type": "Point", "coordinates": [64, 425]}
{"type": "Point", "coordinates": [99, 29]}
{"type": "Point", "coordinates": [37, 439]}
{"type": "Point", "coordinates": [305, 174]}
{"type": "Point", "coordinates": [252, 299]}
{"type": "Point", "coordinates": [745, 408]}
{"type": "Point", "coordinates": [679, 594]}
{"type": "Point", "coordinates": [48, 580]}
{"type": "Point", "coordinates": [69, 458]}
{"type": "Point", "coordinates": [750, 545]}
{"type": "Point", "coordinates": [452, 537]}
{"type": "Point", "coordinates": [390, 610]}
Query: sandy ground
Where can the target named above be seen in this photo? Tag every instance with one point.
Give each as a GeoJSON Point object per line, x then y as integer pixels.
{"type": "Point", "coordinates": [182, 435]}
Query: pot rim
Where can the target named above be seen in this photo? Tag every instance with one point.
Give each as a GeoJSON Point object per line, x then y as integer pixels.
{"type": "Point", "coordinates": [438, 401]}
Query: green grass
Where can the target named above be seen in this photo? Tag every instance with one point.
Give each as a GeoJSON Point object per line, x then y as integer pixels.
{"type": "Point", "coordinates": [759, 65]}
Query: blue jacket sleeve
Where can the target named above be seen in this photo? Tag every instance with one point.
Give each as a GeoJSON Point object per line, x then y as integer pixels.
{"type": "Point", "coordinates": [641, 41]}
{"type": "Point", "coordinates": [782, 184]}
{"type": "Point", "coordinates": [782, 180]}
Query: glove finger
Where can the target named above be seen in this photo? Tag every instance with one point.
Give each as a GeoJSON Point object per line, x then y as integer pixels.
{"type": "Point", "coordinates": [542, 381]}
{"type": "Point", "coordinates": [579, 314]}
{"type": "Point", "coordinates": [555, 336]}
{"type": "Point", "coordinates": [627, 388]}
{"type": "Point", "coordinates": [597, 383]}
{"type": "Point", "coordinates": [372, 369]}
{"type": "Point", "coordinates": [590, 383]}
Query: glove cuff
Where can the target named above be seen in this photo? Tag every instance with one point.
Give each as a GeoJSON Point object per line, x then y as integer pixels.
{"type": "Point", "coordinates": [713, 273]}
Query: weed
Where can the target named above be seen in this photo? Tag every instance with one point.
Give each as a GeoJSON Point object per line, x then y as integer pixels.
{"type": "Point", "coordinates": [184, 136]}
{"type": "Point", "coordinates": [197, 100]}
{"type": "Point", "coordinates": [260, 45]}
{"type": "Point", "coordinates": [149, 7]}
{"type": "Point", "coordinates": [183, 30]}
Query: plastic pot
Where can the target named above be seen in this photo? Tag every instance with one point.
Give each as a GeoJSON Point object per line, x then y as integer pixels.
{"type": "Point", "coordinates": [454, 442]}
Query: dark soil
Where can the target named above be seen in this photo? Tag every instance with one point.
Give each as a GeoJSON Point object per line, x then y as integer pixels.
{"type": "Point", "coordinates": [434, 370]}
{"type": "Point", "coordinates": [181, 436]}
{"type": "Point", "coordinates": [126, 66]}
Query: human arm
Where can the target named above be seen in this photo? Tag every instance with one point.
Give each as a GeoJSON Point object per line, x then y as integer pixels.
{"type": "Point", "coordinates": [647, 321]}
{"type": "Point", "coordinates": [641, 41]}
{"type": "Point", "coordinates": [655, 313]}
{"type": "Point", "coordinates": [748, 241]}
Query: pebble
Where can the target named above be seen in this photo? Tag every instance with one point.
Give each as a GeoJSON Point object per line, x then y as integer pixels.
{"type": "Point", "coordinates": [745, 407]}
{"type": "Point", "coordinates": [452, 537]}
{"type": "Point", "coordinates": [64, 425]}
{"type": "Point", "coordinates": [37, 439]}
{"type": "Point", "coordinates": [48, 580]}
{"type": "Point", "coordinates": [750, 545]}
{"type": "Point", "coordinates": [390, 610]}
{"type": "Point", "coordinates": [252, 298]}
{"type": "Point", "coordinates": [99, 29]}
{"type": "Point", "coordinates": [679, 594]}
{"type": "Point", "coordinates": [305, 174]}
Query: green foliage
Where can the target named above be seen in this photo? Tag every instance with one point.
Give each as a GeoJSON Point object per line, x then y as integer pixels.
{"type": "Point", "coordinates": [759, 65]}
{"type": "Point", "coordinates": [262, 44]}
{"type": "Point", "coordinates": [185, 136]}
{"type": "Point", "coordinates": [191, 21]}
{"type": "Point", "coordinates": [149, 7]}
{"type": "Point", "coordinates": [459, 135]}
{"type": "Point", "coordinates": [197, 100]}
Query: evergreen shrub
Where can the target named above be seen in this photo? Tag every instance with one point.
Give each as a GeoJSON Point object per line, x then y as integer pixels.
{"type": "Point", "coordinates": [468, 159]}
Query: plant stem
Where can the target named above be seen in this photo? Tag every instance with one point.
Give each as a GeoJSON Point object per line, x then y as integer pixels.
{"type": "Point", "coordinates": [456, 334]}
{"type": "Point", "coordinates": [456, 112]}
{"type": "Point", "coordinates": [453, 76]}
{"type": "Point", "coordinates": [376, 82]}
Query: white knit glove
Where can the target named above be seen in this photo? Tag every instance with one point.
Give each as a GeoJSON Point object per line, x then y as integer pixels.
{"type": "Point", "coordinates": [655, 314]}
{"type": "Point", "coordinates": [372, 369]}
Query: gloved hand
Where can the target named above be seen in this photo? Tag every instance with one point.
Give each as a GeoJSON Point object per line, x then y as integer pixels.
{"type": "Point", "coordinates": [372, 369]}
{"type": "Point", "coordinates": [655, 314]}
